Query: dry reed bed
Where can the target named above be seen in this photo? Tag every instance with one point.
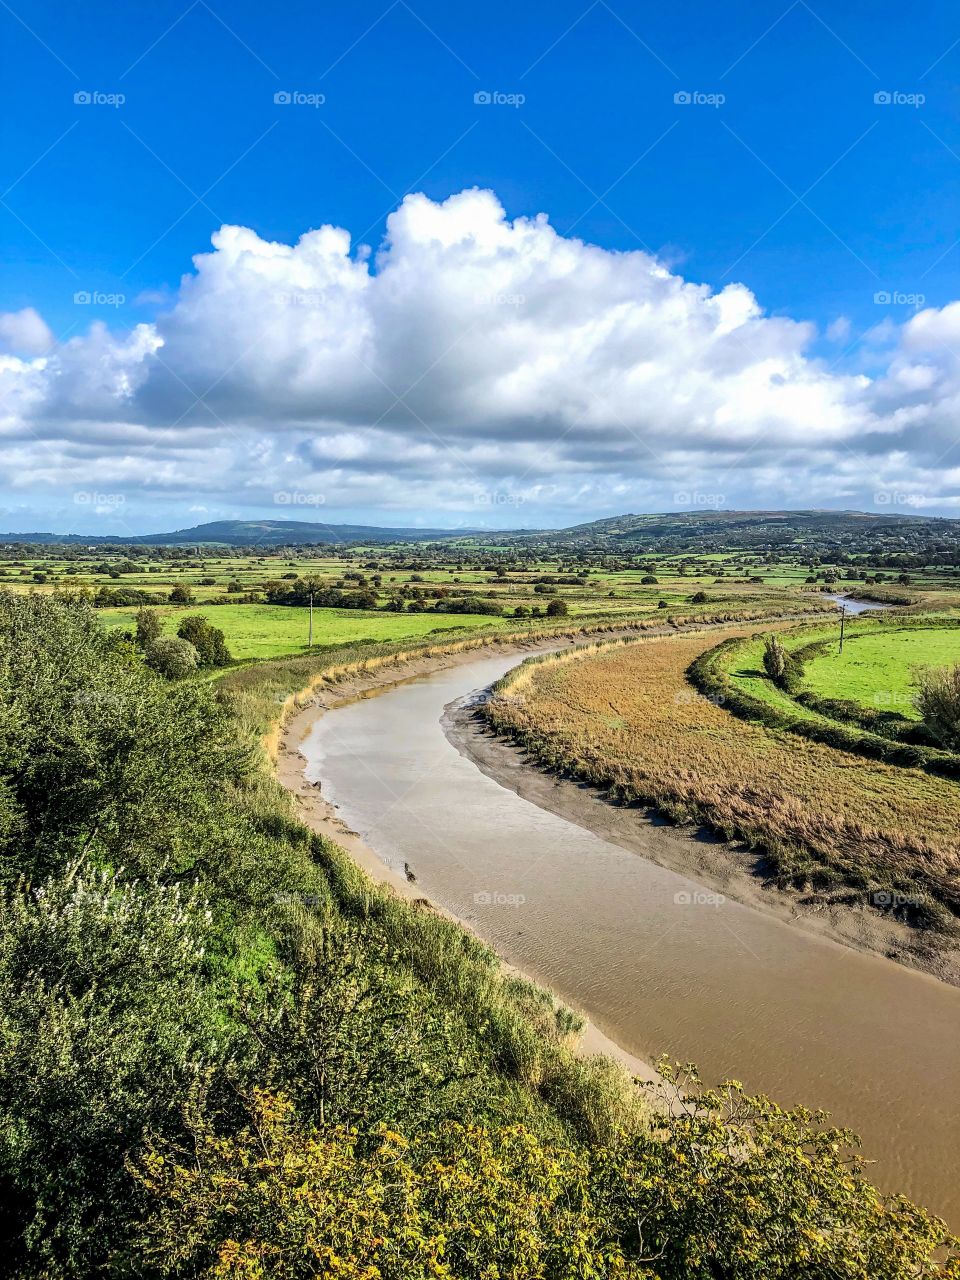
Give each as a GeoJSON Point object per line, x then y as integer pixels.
{"type": "Point", "coordinates": [625, 717]}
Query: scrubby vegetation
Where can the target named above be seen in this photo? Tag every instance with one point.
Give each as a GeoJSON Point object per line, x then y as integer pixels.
{"type": "Point", "coordinates": [223, 1052]}
{"type": "Point", "coordinates": [938, 701]}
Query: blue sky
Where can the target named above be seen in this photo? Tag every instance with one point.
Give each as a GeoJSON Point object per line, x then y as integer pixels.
{"type": "Point", "coordinates": [788, 176]}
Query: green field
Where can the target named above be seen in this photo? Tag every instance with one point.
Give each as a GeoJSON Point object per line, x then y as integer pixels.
{"type": "Point", "coordinates": [746, 671]}
{"type": "Point", "coordinates": [880, 670]}
{"type": "Point", "coordinates": [256, 631]}
{"type": "Point", "coordinates": [416, 591]}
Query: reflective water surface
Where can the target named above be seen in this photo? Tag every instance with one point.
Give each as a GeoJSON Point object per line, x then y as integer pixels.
{"type": "Point", "coordinates": [856, 606]}
{"type": "Point", "coordinates": [657, 961]}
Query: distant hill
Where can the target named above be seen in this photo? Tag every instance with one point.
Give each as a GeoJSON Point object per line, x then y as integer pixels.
{"type": "Point", "coordinates": [703, 530]}
{"type": "Point", "coordinates": [248, 533]}
{"type": "Point", "coordinates": [745, 528]}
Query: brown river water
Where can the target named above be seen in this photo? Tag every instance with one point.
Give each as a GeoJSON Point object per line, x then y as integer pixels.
{"type": "Point", "coordinates": [659, 962]}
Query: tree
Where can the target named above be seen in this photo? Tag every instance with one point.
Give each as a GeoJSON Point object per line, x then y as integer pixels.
{"type": "Point", "coordinates": [774, 659]}
{"type": "Point", "coordinates": [698, 597]}
{"type": "Point", "coordinates": [181, 595]}
{"type": "Point", "coordinates": [557, 608]}
{"type": "Point", "coordinates": [173, 657]}
{"type": "Point", "coordinates": [148, 627]}
{"type": "Point", "coordinates": [938, 701]}
{"type": "Point", "coordinates": [209, 641]}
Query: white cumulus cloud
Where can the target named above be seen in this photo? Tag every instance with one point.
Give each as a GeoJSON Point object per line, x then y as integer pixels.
{"type": "Point", "coordinates": [24, 332]}
{"type": "Point", "coordinates": [472, 356]}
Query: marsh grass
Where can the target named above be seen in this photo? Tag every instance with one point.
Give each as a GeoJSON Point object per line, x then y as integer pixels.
{"type": "Point", "coordinates": [626, 718]}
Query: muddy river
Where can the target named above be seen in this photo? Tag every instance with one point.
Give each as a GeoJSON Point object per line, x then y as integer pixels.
{"type": "Point", "coordinates": [659, 962]}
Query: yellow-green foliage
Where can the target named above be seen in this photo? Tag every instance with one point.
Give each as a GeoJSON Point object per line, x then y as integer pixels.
{"type": "Point", "coordinates": [732, 1185]}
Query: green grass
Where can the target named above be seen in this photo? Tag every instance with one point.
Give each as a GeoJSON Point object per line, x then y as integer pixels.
{"type": "Point", "coordinates": [258, 631]}
{"type": "Point", "coordinates": [747, 673]}
{"type": "Point", "coordinates": [879, 670]}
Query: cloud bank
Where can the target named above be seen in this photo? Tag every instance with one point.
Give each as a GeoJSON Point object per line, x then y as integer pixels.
{"type": "Point", "coordinates": [474, 363]}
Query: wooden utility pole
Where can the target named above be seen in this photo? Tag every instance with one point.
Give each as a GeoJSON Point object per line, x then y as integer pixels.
{"type": "Point", "coordinates": [843, 618]}
{"type": "Point", "coordinates": [310, 636]}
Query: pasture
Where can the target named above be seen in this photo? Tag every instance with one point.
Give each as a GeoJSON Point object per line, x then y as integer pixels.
{"type": "Point", "coordinates": [879, 669]}
{"type": "Point", "coordinates": [258, 631]}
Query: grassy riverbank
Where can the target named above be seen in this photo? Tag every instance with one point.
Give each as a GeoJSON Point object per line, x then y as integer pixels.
{"type": "Point", "coordinates": [224, 1052]}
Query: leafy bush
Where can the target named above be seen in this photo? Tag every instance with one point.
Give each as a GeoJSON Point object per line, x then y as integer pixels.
{"type": "Point", "coordinates": [283, 1198]}
{"type": "Point", "coordinates": [148, 627]}
{"type": "Point", "coordinates": [938, 701]}
{"type": "Point", "coordinates": [209, 641]}
{"type": "Point", "coordinates": [101, 760]}
{"type": "Point", "coordinates": [732, 1187]}
{"type": "Point", "coordinates": [173, 657]}
{"type": "Point", "coordinates": [774, 658]}
{"type": "Point", "coordinates": [104, 1018]}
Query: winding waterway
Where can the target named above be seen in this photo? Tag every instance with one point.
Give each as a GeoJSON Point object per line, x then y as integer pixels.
{"type": "Point", "coordinates": [660, 963]}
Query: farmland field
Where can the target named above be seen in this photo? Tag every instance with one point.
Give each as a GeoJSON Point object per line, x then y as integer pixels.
{"type": "Point", "coordinates": [407, 592]}
{"type": "Point", "coordinates": [880, 669]}
{"type": "Point", "coordinates": [257, 631]}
